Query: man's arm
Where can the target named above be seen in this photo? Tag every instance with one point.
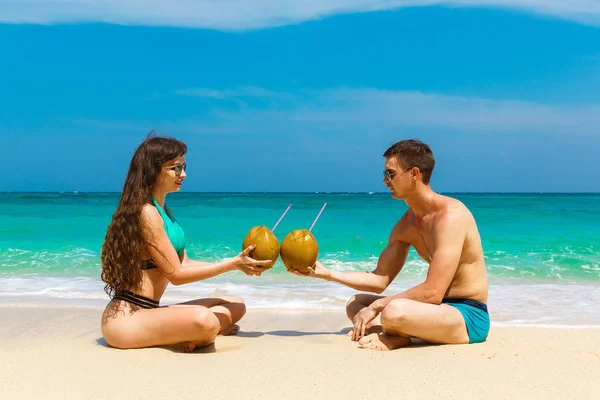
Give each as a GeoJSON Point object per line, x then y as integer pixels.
{"type": "Point", "coordinates": [449, 236]}
{"type": "Point", "coordinates": [390, 263]}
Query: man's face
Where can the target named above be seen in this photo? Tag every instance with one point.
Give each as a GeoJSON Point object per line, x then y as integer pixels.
{"type": "Point", "coordinates": [395, 177]}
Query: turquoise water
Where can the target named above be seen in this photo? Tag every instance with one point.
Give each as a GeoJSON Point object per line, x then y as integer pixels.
{"type": "Point", "coordinates": [534, 243]}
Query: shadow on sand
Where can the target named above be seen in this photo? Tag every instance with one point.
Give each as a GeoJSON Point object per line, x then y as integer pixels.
{"type": "Point", "coordinates": [173, 348]}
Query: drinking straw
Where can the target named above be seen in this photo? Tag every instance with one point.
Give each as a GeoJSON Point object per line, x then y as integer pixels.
{"type": "Point", "coordinates": [280, 218]}
{"type": "Point", "coordinates": [315, 221]}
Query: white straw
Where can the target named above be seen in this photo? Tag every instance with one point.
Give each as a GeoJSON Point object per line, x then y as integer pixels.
{"type": "Point", "coordinates": [315, 221]}
{"type": "Point", "coordinates": [280, 218]}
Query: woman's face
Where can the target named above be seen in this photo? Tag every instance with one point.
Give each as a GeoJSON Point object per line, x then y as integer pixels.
{"type": "Point", "coordinates": [171, 175]}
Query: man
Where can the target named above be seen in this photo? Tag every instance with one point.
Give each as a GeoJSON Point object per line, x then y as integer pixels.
{"type": "Point", "coordinates": [449, 306]}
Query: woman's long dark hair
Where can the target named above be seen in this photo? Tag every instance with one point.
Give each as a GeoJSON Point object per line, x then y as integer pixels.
{"type": "Point", "coordinates": [124, 245]}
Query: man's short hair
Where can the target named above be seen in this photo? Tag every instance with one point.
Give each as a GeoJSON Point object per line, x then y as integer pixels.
{"type": "Point", "coordinates": [413, 153]}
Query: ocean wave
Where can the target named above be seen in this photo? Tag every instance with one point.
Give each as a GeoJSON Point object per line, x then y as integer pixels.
{"type": "Point", "coordinates": [520, 304]}
{"type": "Point", "coordinates": [70, 260]}
{"type": "Point", "coordinates": [550, 263]}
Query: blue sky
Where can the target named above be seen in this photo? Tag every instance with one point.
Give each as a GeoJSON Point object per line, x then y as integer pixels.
{"type": "Point", "coordinates": [281, 96]}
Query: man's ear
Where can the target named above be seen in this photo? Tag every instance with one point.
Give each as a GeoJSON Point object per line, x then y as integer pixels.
{"type": "Point", "coordinates": [415, 172]}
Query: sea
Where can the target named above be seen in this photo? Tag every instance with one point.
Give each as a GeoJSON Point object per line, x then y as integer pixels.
{"type": "Point", "coordinates": [542, 251]}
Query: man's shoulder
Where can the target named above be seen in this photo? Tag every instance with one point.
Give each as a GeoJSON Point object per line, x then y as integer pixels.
{"type": "Point", "coordinates": [454, 212]}
{"type": "Point", "coordinates": [450, 201]}
{"type": "Point", "coordinates": [453, 206]}
{"type": "Point", "coordinates": [403, 226]}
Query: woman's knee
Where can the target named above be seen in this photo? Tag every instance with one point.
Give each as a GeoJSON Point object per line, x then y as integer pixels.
{"type": "Point", "coordinates": [236, 306]}
{"type": "Point", "coordinates": [206, 321]}
{"type": "Point", "coordinates": [237, 303]}
{"type": "Point", "coordinates": [233, 299]}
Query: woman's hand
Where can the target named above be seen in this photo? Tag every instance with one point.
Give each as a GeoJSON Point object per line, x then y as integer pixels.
{"type": "Point", "coordinates": [249, 265]}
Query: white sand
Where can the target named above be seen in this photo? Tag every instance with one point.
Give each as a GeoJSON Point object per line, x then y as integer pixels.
{"type": "Point", "coordinates": [48, 353]}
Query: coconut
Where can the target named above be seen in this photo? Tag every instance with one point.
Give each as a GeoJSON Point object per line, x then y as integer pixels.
{"type": "Point", "coordinates": [267, 245]}
{"type": "Point", "coordinates": [299, 250]}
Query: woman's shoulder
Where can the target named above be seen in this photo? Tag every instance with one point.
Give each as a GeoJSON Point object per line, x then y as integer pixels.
{"type": "Point", "coordinates": [150, 215]}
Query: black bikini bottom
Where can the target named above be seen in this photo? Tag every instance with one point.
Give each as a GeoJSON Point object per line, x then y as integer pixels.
{"type": "Point", "coordinates": [136, 299]}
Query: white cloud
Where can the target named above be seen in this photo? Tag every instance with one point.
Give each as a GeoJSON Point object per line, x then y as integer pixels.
{"type": "Point", "coordinates": [238, 93]}
{"type": "Point", "coordinates": [372, 110]}
{"type": "Point", "coordinates": [246, 14]}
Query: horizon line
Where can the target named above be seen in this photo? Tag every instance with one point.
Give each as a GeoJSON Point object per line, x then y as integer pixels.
{"type": "Point", "coordinates": [289, 192]}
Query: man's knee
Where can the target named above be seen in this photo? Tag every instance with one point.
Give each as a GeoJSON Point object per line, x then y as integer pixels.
{"type": "Point", "coordinates": [351, 302]}
{"type": "Point", "coordinates": [396, 311]}
{"type": "Point", "coordinates": [360, 299]}
{"type": "Point", "coordinates": [355, 303]}
{"type": "Point", "coordinates": [358, 302]}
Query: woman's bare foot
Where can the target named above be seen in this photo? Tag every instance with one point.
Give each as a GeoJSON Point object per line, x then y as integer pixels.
{"type": "Point", "coordinates": [232, 330]}
{"type": "Point", "coordinates": [187, 347]}
{"type": "Point", "coordinates": [381, 341]}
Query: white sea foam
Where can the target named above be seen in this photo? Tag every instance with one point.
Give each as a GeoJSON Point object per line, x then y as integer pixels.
{"type": "Point", "coordinates": [510, 303]}
{"type": "Point", "coordinates": [74, 259]}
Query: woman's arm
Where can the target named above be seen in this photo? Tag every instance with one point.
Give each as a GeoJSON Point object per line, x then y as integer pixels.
{"type": "Point", "coordinates": [160, 249]}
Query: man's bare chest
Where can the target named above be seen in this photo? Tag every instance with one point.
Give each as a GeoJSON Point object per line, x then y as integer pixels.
{"type": "Point", "coordinates": [422, 241]}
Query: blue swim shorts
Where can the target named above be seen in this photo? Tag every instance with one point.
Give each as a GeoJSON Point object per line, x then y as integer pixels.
{"type": "Point", "coordinates": [475, 314]}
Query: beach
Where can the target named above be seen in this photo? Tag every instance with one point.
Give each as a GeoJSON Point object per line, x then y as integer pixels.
{"type": "Point", "coordinates": [147, 140]}
{"type": "Point", "coordinates": [543, 295]}
{"type": "Point", "coordinates": [58, 352]}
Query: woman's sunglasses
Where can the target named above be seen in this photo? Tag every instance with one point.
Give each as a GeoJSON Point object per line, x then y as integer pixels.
{"type": "Point", "coordinates": [178, 168]}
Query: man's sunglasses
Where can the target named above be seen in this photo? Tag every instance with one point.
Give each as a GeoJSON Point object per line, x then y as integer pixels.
{"type": "Point", "coordinates": [389, 175]}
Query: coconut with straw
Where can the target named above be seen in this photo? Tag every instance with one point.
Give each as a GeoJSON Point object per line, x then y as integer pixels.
{"type": "Point", "coordinates": [299, 249]}
{"type": "Point", "coordinates": [267, 245]}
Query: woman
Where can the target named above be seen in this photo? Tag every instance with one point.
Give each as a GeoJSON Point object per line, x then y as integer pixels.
{"type": "Point", "coordinates": [144, 250]}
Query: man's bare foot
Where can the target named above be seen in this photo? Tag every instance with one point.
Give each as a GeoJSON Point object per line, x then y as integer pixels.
{"type": "Point", "coordinates": [232, 330]}
{"type": "Point", "coordinates": [187, 347]}
{"type": "Point", "coordinates": [369, 330]}
{"type": "Point", "coordinates": [381, 341]}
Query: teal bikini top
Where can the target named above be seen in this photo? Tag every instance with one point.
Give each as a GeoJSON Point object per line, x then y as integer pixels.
{"type": "Point", "coordinates": [173, 229]}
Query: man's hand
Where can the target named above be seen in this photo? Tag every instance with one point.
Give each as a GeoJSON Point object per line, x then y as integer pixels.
{"type": "Point", "coordinates": [319, 271]}
{"type": "Point", "coordinates": [316, 271]}
{"type": "Point", "coordinates": [361, 320]}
